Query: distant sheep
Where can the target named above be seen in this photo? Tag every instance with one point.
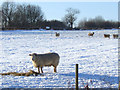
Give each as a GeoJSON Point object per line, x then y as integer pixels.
{"type": "Point", "coordinates": [91, 34]}
{"type": "Point", "coordinates": [47, 59]}
{"type": "Point", "coordinates": [115, 36]}
{"type": "Point", "coordinates": [106, 35]}
{"type": "Point", "coordinates": [57, 34]}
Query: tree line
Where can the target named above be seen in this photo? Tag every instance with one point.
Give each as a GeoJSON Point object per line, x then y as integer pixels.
{"type": "Point", "coordinates": [26, 16]}
{"type": "Point", "coordinates": [98, 23]}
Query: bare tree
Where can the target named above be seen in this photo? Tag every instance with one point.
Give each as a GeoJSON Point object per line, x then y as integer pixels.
{"type": "Point", "coordinates": [27, 16]}
{"type": "Point", "coordinates": [8, 9]}
{"type": "Point", "coordinates": [71, 17]}
{"type": "Point", "coordinates": [99, 21]}
{"type": "Point", "coordinates": [81, 24]}
{"type": "Point", "coordinates": [20, 18]}
{"type": "Point", "coordinates": [34, 13]}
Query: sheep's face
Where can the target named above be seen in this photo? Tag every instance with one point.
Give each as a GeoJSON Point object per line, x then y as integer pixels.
{"type": "Point", "coordinates": [33, 56]}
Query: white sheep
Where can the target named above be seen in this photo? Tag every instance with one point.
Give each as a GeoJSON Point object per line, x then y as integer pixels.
{"type": "Point", "coordinates": [47, 59]}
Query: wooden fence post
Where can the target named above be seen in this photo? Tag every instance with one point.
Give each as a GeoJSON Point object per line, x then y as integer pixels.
{"type": "Point", "coordinates": [76, 76]}
{"type": "Point", "coordinates": [119, 86]}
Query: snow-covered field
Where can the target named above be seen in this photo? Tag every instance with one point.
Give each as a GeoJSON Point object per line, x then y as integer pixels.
{"type": "Point", "coordinates": [97, 58]}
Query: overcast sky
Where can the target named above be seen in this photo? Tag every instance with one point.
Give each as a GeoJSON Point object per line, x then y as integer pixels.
{"type": "Point", "coordinates": [56, 9]}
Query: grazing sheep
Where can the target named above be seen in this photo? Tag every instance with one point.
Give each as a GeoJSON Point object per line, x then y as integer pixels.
{"type": "Point", "coordinates": [47, 59]}
{"type": "Point", "coordinates": [91, 34]}
{"type": "Point", "coordinates": [115, 36]}
{"type": "Point", "coordinates": [106, 35]}
{"type": "Point", "coordinates": [57, 34]}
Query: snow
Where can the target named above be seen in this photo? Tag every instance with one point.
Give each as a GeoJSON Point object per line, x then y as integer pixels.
{"type": "Point", "coordinates": [97, 58]}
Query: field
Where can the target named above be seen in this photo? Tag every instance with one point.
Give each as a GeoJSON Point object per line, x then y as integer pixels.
{"type": "Point", "coordinates": [97, 58]}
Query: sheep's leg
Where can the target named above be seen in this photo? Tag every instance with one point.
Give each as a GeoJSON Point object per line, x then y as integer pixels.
{"type": "Point", "coordinates": [38, 70]}
{"type": "Point", "coordinates": [41, 70]}
{"type": "Point", "coordinates": [55, 69]}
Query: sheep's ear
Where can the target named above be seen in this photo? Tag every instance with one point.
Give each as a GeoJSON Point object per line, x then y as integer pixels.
{"type": "Point", "coordinates": [30, 54]}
